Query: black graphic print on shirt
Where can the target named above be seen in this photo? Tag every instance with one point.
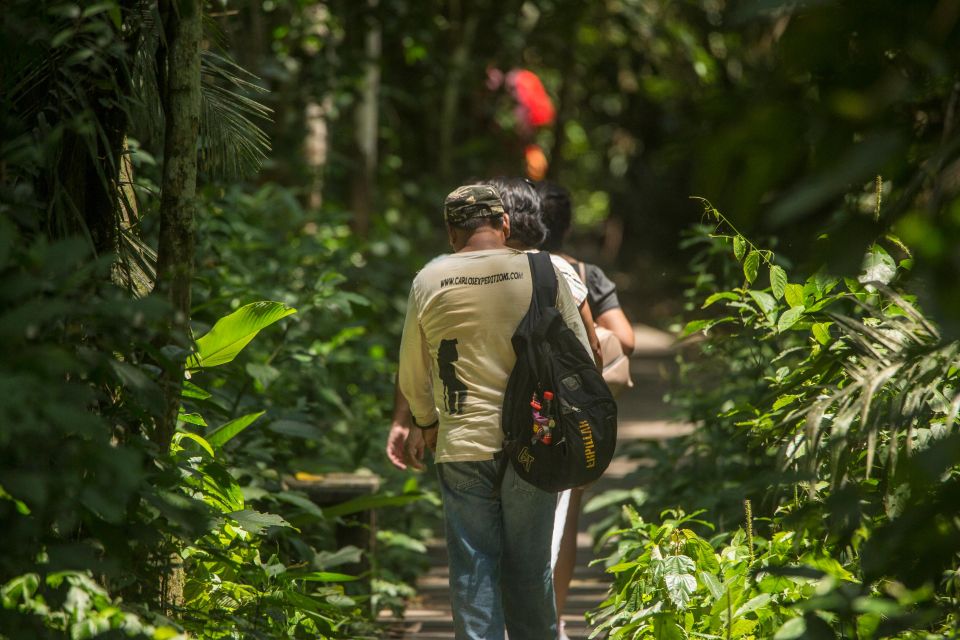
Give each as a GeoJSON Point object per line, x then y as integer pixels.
{"type": "Point", "coordinates": [454, 391]}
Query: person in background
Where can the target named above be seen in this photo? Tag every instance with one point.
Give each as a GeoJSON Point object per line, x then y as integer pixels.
{"type": "Point", "coordinates": [527, 233]}
{"type": "Point", "coordinates": [606, 311]}
{"type": "Point", "coordinates": [601, 291]}
{"type": "Point", "coordinates": [456, 355]}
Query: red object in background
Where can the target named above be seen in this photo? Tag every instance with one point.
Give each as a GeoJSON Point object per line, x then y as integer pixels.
{"type": "Point", "coordinates": [536, 105]}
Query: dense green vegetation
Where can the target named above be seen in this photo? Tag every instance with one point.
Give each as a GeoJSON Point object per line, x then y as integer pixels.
{"type": "Point", "coordinates": [210, 213]}
{"type": "Point", "coordinates": [829, 404]}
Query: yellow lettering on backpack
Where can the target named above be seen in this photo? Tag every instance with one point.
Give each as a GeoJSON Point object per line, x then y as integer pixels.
{"type": "Point", "coordinates": [588, 448]}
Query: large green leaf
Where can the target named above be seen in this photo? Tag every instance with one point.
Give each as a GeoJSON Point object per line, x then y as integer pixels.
{"type": "Point", "coordinates": [219, 436]}
{"type": "Point", "coordinates": [232, 333]}
{"type": "Point", "coordinates": [256, 522]}
{"type": "Point", "coordinates": [365, 503]}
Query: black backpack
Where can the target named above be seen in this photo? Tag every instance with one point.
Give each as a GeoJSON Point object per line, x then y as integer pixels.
{"type": "Point", "coordinates": [559, 418]}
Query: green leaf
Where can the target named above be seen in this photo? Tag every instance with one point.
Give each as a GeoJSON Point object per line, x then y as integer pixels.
{"type": "Point", "coordinates": [21, 506]}
{"type": "Point", "coordinates": [878, 266]}
{"type": "Point", "coordinates": [327, 576]}
{"type": "Point", "coordinates": [678, 579]}
{"type": "Point", "coordinates": [365, 503]}
{"type": "Point", "coordinates": [751, 265]}
{"type": "Point", "coordinates": [793, 293]}
{"type": "Point", "coordinates": [222, 434]}
{"type": "Point", "coordinates": [712, 583]}
{"type": "Point", "coordinates": [821, 331]}
{"type": "Point", "coordinates": [764, 300]}
{"type": "Point", "coordinates": [789, 318]}
{"type": "Point", "coordinates": [192, 418]}
{"type": "Point", "coordinates": [783, 401]}
{"type": "Point", "coordinates": [191, 390]}
{"type": "Point", "coordinates": [256, 522]}
{"type": "Point", "coordinates": [703, 325]}
{"type": "Point", "coordinates": [723, 295]}
{"type": "Point", "coordinates": [778, 281]}
{"type": "Point", "coordinates": [706, 555]}
{"type": "Point", "coordinates": [262, 373]}
{"type": "Point", "coordinates": [739, 247]}
{"type": "Point", "coordinates": [296, 429]}
{"type": "Point", "coordinates": [792, 629]}
{"type": "Point", "coordinates": [180, 435]}
{"type": "Point", "coordinates": [233, 332]}
{"type": "Point", "coordinates": [753, 604]}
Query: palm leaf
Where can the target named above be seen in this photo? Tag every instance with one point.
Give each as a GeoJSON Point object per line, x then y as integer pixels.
{"type": "Point", "coordinates": [231, 143]}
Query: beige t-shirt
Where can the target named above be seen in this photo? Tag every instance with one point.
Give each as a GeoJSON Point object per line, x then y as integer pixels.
{"type": "Point", "coordinates": [456, 355]}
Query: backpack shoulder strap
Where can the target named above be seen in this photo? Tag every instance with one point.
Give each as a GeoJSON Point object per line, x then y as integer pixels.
{"type": "Point", "coordinates": [544, 279]}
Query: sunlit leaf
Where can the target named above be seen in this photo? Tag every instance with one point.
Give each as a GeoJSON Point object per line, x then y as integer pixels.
{"type": "Point", "coordinates": [789, 318]}
{"type": "Point", "coordinates": [793, 293]}
{"type": "Point", "coordinates": [778, 281]}
{"type": "Point", "coordinates": [180, 435]}
{"type": "Point", "coordinates": [751, 265]}
{"type": "Point", "coordinates": [821, 331]}
{"type": "Point", "coordinates": [257, 522]}
{"type": "Point", "coordinates": [233, 332]}
{"type": "Point", "coordinates": [764, 300]}
{"type": "Point", "coordinates": [878, 266]}
{"type": "Point", "coordinates": [739, 247]}
{"type": "Point", "coordinates": [221, 435]}
{"type": "Point", "coordinates": [723, 295]}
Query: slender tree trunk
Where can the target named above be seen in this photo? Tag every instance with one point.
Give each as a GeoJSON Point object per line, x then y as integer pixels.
{"type": "Point", "coordinates": [181, 102]}
{"type": "Point", "coordinates": [465, 35]}
{"type": "Point", "coordinates": [567, 98]}
{"type": "Point", "coordinates": [367, 122]}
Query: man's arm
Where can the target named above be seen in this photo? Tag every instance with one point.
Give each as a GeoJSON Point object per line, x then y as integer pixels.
{"type": "Point", "coordinates": [399, 431]}
{"type": "Point", "coordinates": [416, 376]}
{"type": "Point", "coordinates": [405, 441]}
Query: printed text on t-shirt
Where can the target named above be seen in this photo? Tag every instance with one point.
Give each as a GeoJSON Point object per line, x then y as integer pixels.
{"type": "Point", "coordinates": [477, 280]}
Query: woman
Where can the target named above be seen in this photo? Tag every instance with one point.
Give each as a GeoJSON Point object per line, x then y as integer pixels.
{"type": "Point", "coordinates": [606, 311]}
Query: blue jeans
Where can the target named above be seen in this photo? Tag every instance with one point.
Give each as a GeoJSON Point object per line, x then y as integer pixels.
{"type": "Point", "coordinates": [499, 550]}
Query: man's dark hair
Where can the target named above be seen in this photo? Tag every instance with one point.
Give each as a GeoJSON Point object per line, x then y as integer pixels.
{"type": "Point", "coordinates": [472, 224]}
{"type": "Point", "coordinates": [556, 207]}
{"type": "Point", "coordinates": [522, 202]}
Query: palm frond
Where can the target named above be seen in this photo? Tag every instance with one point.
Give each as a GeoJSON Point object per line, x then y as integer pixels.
{"type": "Point", "coordinates": [231, 142]}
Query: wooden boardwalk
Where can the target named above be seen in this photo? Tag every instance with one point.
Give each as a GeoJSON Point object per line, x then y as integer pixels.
{"type": "Point", "coordinates": [642, 417]}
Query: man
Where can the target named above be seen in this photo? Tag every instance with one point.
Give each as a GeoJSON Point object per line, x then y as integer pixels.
{"type": "Point", "coordinates": [455, 358]}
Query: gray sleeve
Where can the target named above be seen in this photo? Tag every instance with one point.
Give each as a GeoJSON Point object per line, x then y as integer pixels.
{"type": "Point", "coordinates": [601, 291]}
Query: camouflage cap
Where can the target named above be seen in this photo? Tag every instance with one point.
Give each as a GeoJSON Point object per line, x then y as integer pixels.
{"type": "Point", "coordinates": [472, 201]}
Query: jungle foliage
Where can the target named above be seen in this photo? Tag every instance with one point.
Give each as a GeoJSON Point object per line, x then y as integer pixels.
{"type": "Point", "coordinates": [829, 403]}
{"type": "Point", "coordinates": [327, 134]}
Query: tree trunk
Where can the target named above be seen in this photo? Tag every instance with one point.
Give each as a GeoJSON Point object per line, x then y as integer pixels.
{"type": "Point", "coordinates": [567, 98]}
{"type": "Point", "coordinates": [363, 191]}
{"type": "Point", "coordinates": [181, 103]}
{"type": "Point", "coordinates": [466, 32]}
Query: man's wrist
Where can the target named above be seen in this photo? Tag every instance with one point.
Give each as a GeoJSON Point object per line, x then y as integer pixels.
{"type": "Point", "coordinates": [426, 427]}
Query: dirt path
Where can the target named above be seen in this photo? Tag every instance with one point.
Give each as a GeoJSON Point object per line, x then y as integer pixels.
{"type": "Point", "coordinates": [642, 417]}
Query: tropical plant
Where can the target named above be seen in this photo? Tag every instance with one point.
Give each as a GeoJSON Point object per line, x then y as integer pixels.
{"type": "Point", "coordinates": [828, 402]}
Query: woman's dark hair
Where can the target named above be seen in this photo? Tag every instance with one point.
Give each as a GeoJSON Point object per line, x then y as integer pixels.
{"type": "Point", "coordinates": [556, 213]}
{"type": "Point", "coordinates": [522, 203]}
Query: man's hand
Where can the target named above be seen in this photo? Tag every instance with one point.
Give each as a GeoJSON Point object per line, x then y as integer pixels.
{"type": "Point", "coordinates": [415, 445]}
{"type": "Point", "coordinates": [397, 445]}
{"type": "Point", "coordinates": [430, 438]}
